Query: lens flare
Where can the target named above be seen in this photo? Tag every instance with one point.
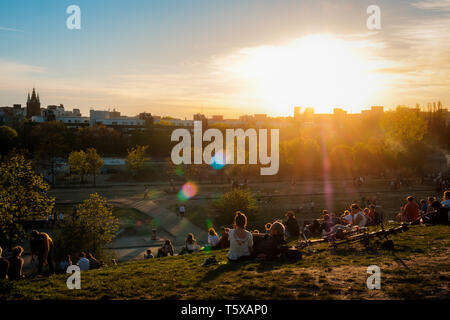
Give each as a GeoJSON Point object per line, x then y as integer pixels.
{"type": "Point", "coordinates": [155, 223]}
{"type": "Point", "coordinates": [218, 161]}
{"type": "Point", "coordinates": [188, 190]}
{"type": "Point", "coordinates": [179, 171]}
{"type": "Point", "coordinates": [209, 224]}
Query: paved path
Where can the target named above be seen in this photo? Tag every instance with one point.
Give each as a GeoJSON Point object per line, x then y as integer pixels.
{"type": "Point", "coordinates": [167, 220]}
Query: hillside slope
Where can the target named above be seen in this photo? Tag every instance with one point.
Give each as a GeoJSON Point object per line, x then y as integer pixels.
{"type": "Point", "coordinates": [419, 267]}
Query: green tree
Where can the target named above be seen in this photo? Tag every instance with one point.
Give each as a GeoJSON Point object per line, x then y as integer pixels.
{"type": "Point", "coordinates": [341, 160]}
{"type": "Point", "coordinates": [23, 196]}
{"type": "Point", "coordinates": [94, 162]}
{"type": "Point", "coordinates": [93, 227]}
{"type": "Point", "coordinates": [78, 163]}
{"type": "Point", "coordinates": [404, 126]}
{"type": "Point", "coordinates": [302, 155]}
{"type": "Point", "coordinates": [232, 201]}
{"type": "Point", "coordinates": [136, 158]}
{"type": "Point", "coordinates": [51, 140]}
{"type": "Point", "coordinates": [8, 139]}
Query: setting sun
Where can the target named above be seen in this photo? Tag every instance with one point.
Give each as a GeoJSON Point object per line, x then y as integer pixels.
{"type": "Point", "coordinates": [317, 71]}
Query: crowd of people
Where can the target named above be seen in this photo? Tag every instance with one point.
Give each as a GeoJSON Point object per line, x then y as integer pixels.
{"type": "Point", "coordinates": [42, 249]}
{"type": "Point", "coordinates": [242, 244]}
{"type": "Point", "coordinates": [412, 210]}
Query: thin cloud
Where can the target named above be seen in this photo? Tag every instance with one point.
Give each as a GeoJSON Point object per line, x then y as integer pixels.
{"type": "Point", "coordinates": [11, 29]}
{"type": "Point", "coordinates": [433, 5]}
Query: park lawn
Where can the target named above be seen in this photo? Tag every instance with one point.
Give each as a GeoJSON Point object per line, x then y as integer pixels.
{"type": "Point", "coordinates": [200, 211]}
{"type": "Point", "coordinates": [419, 267]}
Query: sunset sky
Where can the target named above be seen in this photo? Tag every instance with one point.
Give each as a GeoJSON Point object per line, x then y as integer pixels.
{"type": "Point", "coordinates": [176, 58]}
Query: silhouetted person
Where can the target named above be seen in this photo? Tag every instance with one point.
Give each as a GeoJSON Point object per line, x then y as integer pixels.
{"type": "Point", "coordinates": [4, 266]}
{"type": "Point", "coordinates": [16, 264]}
{"type": "Point", "coordinates": [93, 263]}
{"type": "Point", "coordinates": [292, 225]}
{"type": "Point", "coordinates": [42, 246]}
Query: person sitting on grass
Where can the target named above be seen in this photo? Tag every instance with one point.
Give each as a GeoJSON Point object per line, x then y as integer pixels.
{"type": "Point", "coordinates": [446, 199]}
{"type": "Point", "coordinates": [400, 217]}
{"type": "Point", "coordinates": [66, 263]}
{"type": "Point", "coordinates": [93, 263]}
{"type": "Point", "coordinates": [411, 209]}
{"type": "Point", "coordinates": [267, 227]}
{"type": "Point", "coordinates": [423, 206]}
{"type": "Point", "coordinates": [357, 217]}
{"type": "Point", "coordinates": [4, 266]}
{"type": "Point", "coordinates": [213, 239]}
{"type": "Point", "coordinates": [16, 264]}
{"type": "Point", "coordinates": [430, 202]}
{"type": "Point", "coordinates": [148, 254]}
{"type": "Point", "coordinates": [113, 262]}
{"type": "Point", "coordinates": [190, 245]}
{"type": "Point", "coordinates": [446, 202]}
{"type": "Point", "coordinates": [166, 249]}
{"type": "Point", "coordinates": [270, 245]}
{"type": "Point", "coordinates": [441, 213]}
{"type": "Point", "coordinates": [83, 263]}
{"type": "Point", "coordinates": [378, 216]}
{"type": "Point", "coordinates": [292, 228]}
{"type": "Point", "coordinates": [224, 241]}
{"type": "Point", "coordinates": [327, 225]}
{"type": "Point", "coordinates": [241, 240]}
{"type": "Point", "coordinates": [369, 216]}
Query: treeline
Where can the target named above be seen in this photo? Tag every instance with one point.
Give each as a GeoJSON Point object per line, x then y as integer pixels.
{"type": "Point", "coordinates": [404, 141]}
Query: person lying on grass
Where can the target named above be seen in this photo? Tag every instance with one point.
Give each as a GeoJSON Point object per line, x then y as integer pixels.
{"type": "Point", "coordinates": [241, 240]}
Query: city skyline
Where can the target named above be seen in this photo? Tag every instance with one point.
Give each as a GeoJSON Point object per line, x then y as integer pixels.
{"type": "Point", "coordinates": [301, 109]}
{"type": "Point", "coordinates": [173, 59]}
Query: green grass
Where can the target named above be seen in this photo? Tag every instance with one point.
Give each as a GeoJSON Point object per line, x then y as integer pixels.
{"type": "Point", "coordinates": [323, 275]}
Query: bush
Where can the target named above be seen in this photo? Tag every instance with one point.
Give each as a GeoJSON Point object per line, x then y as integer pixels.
{"type": "Point", "coordinates": [92, 229]}
{"type": "Point", "coordinates": [232, 201]}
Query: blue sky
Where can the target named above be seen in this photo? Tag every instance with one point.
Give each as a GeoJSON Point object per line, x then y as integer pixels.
{"type": "Point", "coordinates": [181, 57]}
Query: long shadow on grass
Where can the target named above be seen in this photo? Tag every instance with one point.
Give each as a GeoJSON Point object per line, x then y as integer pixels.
{"type": "Point", "coordinates": [262, 266]}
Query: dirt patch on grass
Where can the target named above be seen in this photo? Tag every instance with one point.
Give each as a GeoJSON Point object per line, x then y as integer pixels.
{"type": "Point", "coordinates": [424, 277]}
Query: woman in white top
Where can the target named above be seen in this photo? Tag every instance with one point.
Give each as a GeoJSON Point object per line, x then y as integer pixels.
{"type": "Point", "coordinates": [241, 240]}
{"type": "Point", "coordinates": [191, 243]}
{"type": "Point", "coordinates": [358, 217]}
{"type": "Point", "coordinates": [213, 239]}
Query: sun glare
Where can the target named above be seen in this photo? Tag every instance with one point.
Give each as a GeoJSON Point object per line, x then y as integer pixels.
{"type": "Point", "coordinates": [317, 71]}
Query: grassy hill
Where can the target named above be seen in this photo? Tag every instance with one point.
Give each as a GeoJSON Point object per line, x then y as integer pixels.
{"type": "Point", "coordinates": [419, 267]}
